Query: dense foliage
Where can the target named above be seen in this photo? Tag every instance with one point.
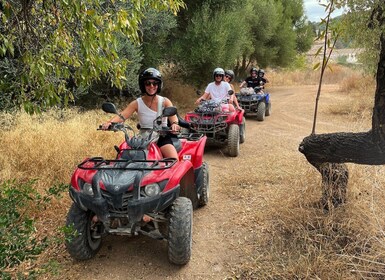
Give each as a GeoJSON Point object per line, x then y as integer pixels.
{"type": "Point", "coordinates": [238, 35]}
{"type": "Point", "coordinates": [50, 48]}
{"type": "Point", "coordinates": [364, 29]}
{"type": "Point", "coordinates": [56, 52]}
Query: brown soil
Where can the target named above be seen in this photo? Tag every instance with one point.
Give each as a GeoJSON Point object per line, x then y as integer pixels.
{"type": "Point", "coordinates": [228, 226]}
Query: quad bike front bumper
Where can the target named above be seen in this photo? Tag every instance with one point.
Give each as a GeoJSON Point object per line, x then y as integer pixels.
{"type": "Point", "coordinates": [249, 103]}
{"type": "Point", "coordinates": [116, 191]}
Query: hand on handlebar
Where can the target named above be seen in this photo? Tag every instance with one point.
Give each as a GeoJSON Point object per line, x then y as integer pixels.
{"type": "Point", "coordinates": [175, 128]}
{"type": "Point", "coordinates": [105, 126]}
{"type": "Point", "coordinates": [200, 100]}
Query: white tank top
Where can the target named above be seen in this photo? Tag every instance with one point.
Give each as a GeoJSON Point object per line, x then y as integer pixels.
{"type": "Point", "coordinates": [147, 116]}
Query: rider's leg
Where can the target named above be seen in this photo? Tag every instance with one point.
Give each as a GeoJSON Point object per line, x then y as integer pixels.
{"type": "Point", "coordinates": [169, 151]}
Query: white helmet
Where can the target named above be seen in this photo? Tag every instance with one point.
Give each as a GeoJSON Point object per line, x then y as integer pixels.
{"type": "Point", "coordinates": [218, 71]}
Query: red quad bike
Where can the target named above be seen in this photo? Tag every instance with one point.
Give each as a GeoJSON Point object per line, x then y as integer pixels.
{"type": "Point", "coordinates": [220, 126]}
{"type": "Point", "coordinates": [139, 192]}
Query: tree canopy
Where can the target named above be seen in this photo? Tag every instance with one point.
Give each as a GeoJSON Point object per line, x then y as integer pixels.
{"type": "Point", "coordinates": [49, 47]}
{"type": "Point", "coordinates": [52, 52]}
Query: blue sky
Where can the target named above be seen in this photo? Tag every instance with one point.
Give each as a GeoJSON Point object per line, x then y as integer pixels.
{"type": "Point", "coordinates": [315, 12]}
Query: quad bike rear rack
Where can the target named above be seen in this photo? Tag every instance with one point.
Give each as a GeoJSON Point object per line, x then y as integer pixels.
{"type": "Point", "coordinates": [99, 163]}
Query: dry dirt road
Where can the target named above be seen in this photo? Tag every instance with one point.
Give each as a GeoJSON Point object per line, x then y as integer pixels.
{"type": "Point", "coordinates": [226, 229]}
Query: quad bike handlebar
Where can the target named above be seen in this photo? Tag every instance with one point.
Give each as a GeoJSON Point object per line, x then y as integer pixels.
{"type": "Point", "coordinates": [138, 141]}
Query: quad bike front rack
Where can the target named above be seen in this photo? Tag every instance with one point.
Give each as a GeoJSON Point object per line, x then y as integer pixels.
{"type": "Point", "coordinates": [99, 163]}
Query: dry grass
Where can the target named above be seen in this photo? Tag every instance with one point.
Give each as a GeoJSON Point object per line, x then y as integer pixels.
{"type": "Point", "coordinates": [335, 74]}
{"type": "Point", "coordinates": [354, 86]}
{"type": "Point", "coordinates": [290, 78]}
{"type": "Point", "coordinates": [48, 147]}
{"type": "Point", "coordinates": [287, 235]}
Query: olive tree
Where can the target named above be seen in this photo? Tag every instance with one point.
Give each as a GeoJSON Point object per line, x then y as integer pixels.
{"type": "Point", "coordinates": [328, 153]}
{"type": "Point", "coordinates": [45, 46]}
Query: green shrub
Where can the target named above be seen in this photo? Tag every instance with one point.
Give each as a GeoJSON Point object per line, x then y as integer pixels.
{"type": "Point", "coordinates": [18, 235]}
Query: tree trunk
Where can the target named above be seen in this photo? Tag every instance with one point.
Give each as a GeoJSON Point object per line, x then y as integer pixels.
{"type": "Point", "coordinates": [328, 152]}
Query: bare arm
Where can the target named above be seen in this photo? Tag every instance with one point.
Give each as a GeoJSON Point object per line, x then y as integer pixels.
{"type": "Point", "coordinates": [126, 113]}
{"type": "Point", "coordinates": [203, 97]}
{"type": "Point", "coordinates": [173, 119]}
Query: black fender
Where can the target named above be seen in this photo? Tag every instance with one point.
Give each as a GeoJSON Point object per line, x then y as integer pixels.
{"type": "Point", "coordinates": [188, 188]}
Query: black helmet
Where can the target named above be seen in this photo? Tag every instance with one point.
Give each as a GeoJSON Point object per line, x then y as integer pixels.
{"type": "Point", "coordinates": [261, 71]}
{"type": "Point", "coordinates": [253, 69]}
{"type": "Point", "coordinates": [230, 73]}
{"type": "Point", "coordinates": [218, 71]}
{"type": "Point", "coordinates": [150, 74]}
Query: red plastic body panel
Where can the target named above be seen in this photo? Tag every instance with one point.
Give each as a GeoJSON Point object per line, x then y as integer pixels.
{"type": "Point", "coordinates": [190, 158]}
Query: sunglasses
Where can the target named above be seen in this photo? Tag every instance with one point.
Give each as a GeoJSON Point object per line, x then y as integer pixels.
{"type": "Point", "coordinates": [229, 77]}
{"type": "Point", "coordinates": [218, 75]}
{"type": "Point", "coordinates": [149, 83]}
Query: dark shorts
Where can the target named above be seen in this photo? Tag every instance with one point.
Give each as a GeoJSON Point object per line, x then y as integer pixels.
{"type": "Point", "coordinates": [164, 140]}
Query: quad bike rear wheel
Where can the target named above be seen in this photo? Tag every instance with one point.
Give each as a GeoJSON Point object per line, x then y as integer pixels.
{"type": "Point", "coordinates": [261, 110]}
{"type": "Point", "coordinates": [180, 231]}
{"type": "Point", "coordinates": [268, 109]}
{"type": "Point", "coordinates": [242, 132]}
{"type": "Point", "coordinates": [233, 140]}
{"type": "Point", "coordinates": [205, 188]}
{"type": "Point", "coordinates": [83, 244]}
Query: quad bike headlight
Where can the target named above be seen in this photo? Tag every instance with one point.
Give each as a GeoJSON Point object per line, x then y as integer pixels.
{"type": "Point", "coordinates": [87, 189]}
{"type": "Point", "coordinates": [152, 189]}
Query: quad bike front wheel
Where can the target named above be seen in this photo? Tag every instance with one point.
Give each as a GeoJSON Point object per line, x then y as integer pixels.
{"type": "Point", "coordinates": [180, 231]}
{"type": "Point", "coordinates": [82, 244]}
{"type": "Point", "coordinates": [233, 140]}
{"type": "Point", "coordinates": [205, 188]}
{"type": "Point", "coordinates": [242, 132]}
{"type": "Point", "coordinates": [268, 109]}
{"type": "Point", "coordinates": [261, 111]}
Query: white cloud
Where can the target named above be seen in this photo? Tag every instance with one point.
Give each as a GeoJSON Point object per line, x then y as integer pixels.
{"type": "Point", "coordinates": [314, 11]}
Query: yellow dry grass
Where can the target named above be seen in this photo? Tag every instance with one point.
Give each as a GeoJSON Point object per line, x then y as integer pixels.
{"type": "Point", "coordinates": [334, 74]}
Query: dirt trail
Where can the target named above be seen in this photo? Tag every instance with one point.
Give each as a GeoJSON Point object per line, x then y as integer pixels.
{"type": "Point", "coordinates": [219, 228]}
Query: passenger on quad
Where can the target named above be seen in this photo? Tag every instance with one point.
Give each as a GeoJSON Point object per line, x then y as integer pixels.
{"type": "Point", "coordinates": [229, 76]}
{"type": "Point", "coordinates": [148, 107]}
{"type": "Point", "coordinates": [261, 77]}
{"type": "Point", "coordinates": [218, 90]}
